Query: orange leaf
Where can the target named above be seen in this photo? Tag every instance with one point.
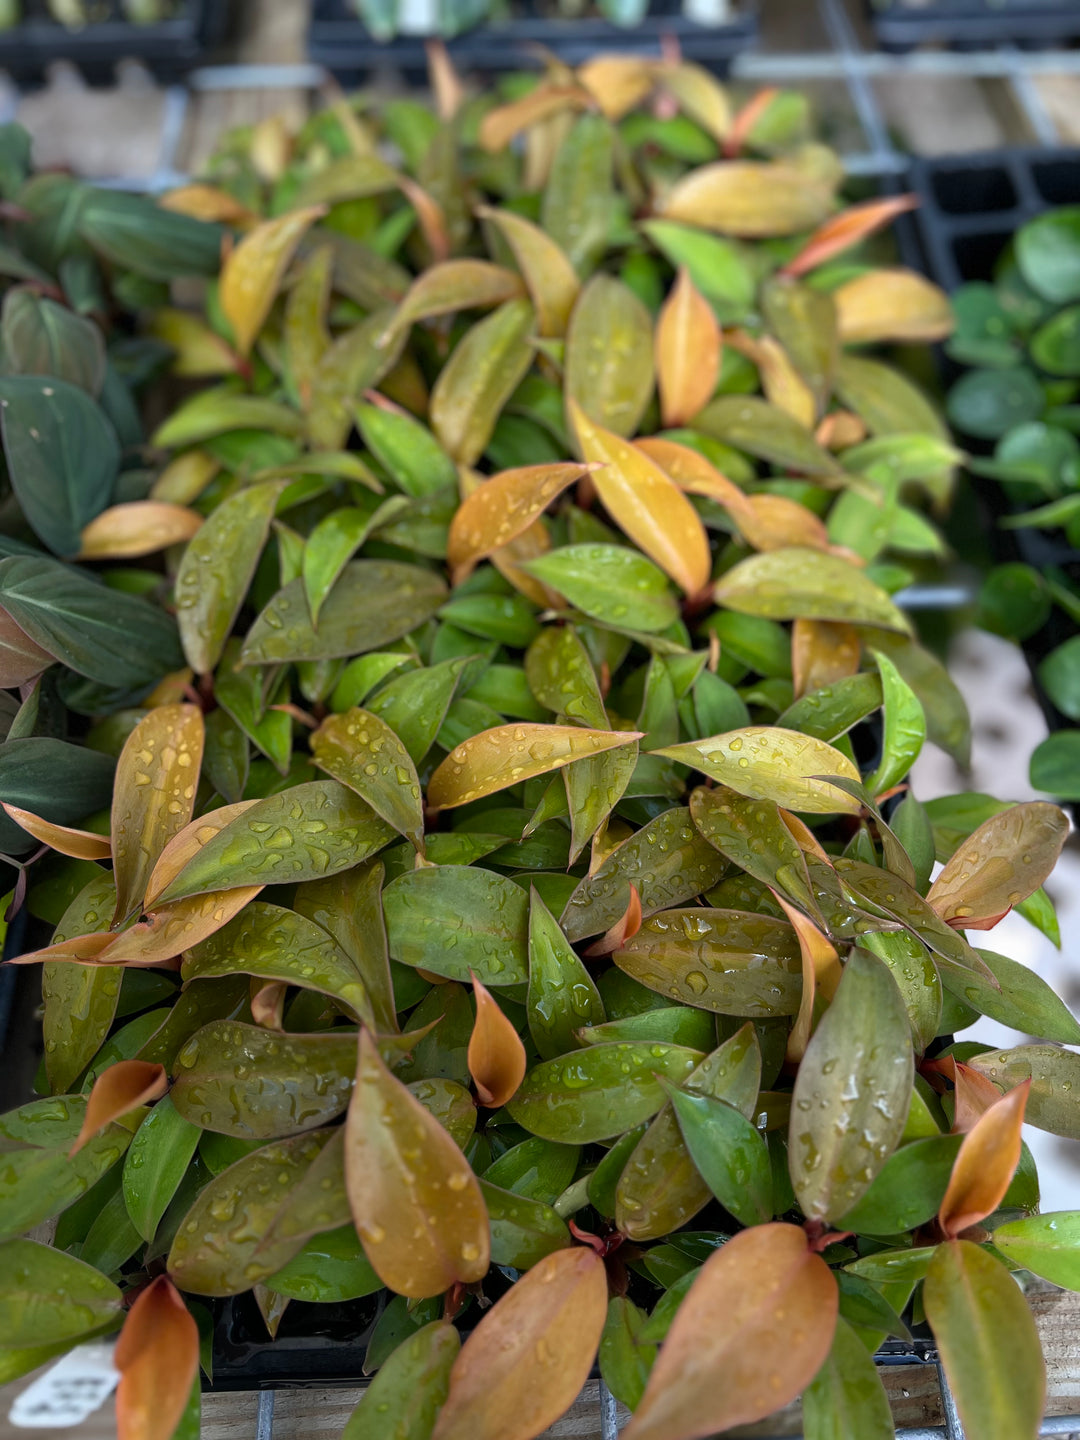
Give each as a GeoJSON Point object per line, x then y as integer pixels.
{"type": "Point", "coordinates": [822, 652]}
{"type": "Point", "coordinates": [985, 1165]}
{"type": "Point", "coordinates": [999, 865]}
{"type": "Point", "coordinates": [761, 1315]}
{"type": "Point", "coordinates": [645, 503]}
{"type": "Point", "coordinates": [688, 345]}
{"type": "Point", "coordinates": [122, 1087]}
{"type": "Point", "coordinates": [820, 967]}
{"type": "Point", "coordinates": [82, 949]}
{"type": "Point", "coordinates": [430, 215]}
{"type": "Point", "coordinates": [973, 1096]}
{"type": "Point", "coordinates": [141, 527]}
{"type": "Point", "coordinates": [79, 844]}
{"type": "Point", "coordinates": [496, 1055]}
{"type": "Point", "coordinates": [840, 429]}
{"type": "Point", "coordinates": [170, 929]}
{"type": "Point", "coordinates": [694, 474]}
{"type": "Point", "coordinates": [848, 228]}
{"type": "Point", "coordinates": [205, 202]}
{"type": "Point", "coordinates": [157, 1355]}
{"type": "Point", "coordinates": [625, 928]}
{"type": "Point", "coordinates": [551, 279]}
{"type": "Point", "coordinates": [531, 1353]}
{"type": "Point", "coordinates": [775, 522]}
{"type": "Point", "coordinates": [784, 387]}
{"type": "Point", "coordinates": [445, 82]}
{"type": "Point", "coordinates": [268, 1003]}
{"type": "Point", "coordinates": [502, 508]}
{"type": "Point", "coordinates": [746, 119]}
{"type": "Point", "coordinates": [499, 126]}
{"type": "Point", "coordinates": [416, 1203]}
{"type": "Point", "coordinates": [253, 273]}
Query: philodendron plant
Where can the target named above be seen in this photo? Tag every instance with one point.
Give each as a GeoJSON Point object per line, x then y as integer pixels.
{"type": "Point", "coordinates": [515, 920]}
{"type": "Point", "coordinates": [1021, 335]}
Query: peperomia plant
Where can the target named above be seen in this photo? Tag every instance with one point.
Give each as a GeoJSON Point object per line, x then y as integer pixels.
{"type": "Point", "coordinates": [1020, 335]}
{"type": "Point", "coordinates": [515, 916]}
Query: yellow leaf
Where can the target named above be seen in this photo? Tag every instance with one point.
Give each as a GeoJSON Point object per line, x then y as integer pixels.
{"type": "Point", "coordinates": [846, 229]}
{"type": "Point", "coordinates": [206, 202]}
{"type": "Point", "coordinates": [986, 1164]}
{"type": "Point", "coordinates": [618, 83]}
{"type": "Point", "coordinates": [551, 279]}
{"type": "Point", "coordinates": [531, 1353]}
{"type": "Point", "coordinates": [761, 1314]}
{"type": "Point", "coordinates": [508, 754]}
{"type": "Point", "coordinates": [504, 507]}
{"type": "Point", "coordinates": [696, 475]}
{"type": "Point", "coordinates": [416, 1203]}
{"type": "Point", "coordinates": [496, 1055]}
{"type": "Point", "coordinates": [784, 387]}
{"type": "Point", "coordinates": [79, 844]}
{"type": "Point", "coordinates": [700, 95]}
{"type": "Point", "coordinates": [252, 274]}
{"type": "Point", "coordinates": [1000, 864]}
{"type": "Point", "coordinates": [140, 527]}
{"type": "Point", "coordinates": [124, 1086]}
{"type": "Point", "coordinates": [154, 795]}
{"type": "Point", "coordinates": [687, 352]}
{"type": "Point", "coordinates": [892, 305]}
{"type": "Point", "coordinates": [499, 126]}
{"type": "Point", "coordinates": [749, 199]}
{"type": "Point", "coordinates": [197, 350]}
{"type": "Point", "coordinates": [822, 652]}
{"type": "Point", "coordinates": [774, 523]}
{"type": "Point", "coordinates": [767, 762]}
{"type": "Point", "coordinates": [186, 845]}
{"type": "Point", "coordinates": [646, 504]}
{"type": "Point", "coordinates": [157, 1355]}
{"type": "Point", "coordinates": [184, 479]}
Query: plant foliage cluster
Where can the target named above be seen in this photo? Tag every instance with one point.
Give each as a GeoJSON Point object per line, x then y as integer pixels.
{"type": "Point", "coordinates": [510, 907]}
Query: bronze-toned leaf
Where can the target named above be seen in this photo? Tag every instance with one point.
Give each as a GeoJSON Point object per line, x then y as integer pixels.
{"type": "Point", "coordinates": [79, 844]}
{"type": "Point", "coordinates": [986, 1163]}
{"type": "Point", "coordinates": [769, 763]}
{"type": "Point", "coordinates": [509, 754]}
{"type": "Point", "coordinates": [551, 279]}
{"type": "Point", "coordinates": [364, 753]}
{"type": "Point", "coordinates": [894, 305]}
{"type": "Point", "coordinates": [157, 1355]}
{"type": "Point", "coordinates": [502, 508]}
{"type": "Point", "coordinates": [749, 199]}
{"type": "Point", "coordinates": [456, 285]}
{"type": "Point", "coordinates": [496, 1055]}
{"type": "Point", "coordinates": [999, 864]}
{"type": "Point", "coordinates": [141, 527]}
{"type": "Point", "coordinates": [846, 229]}
{"type": "Point", "coordinates": [124, 1086]}
{"type": "Point", "coordinates": [688, 347]}
{"type": "Point", "coordinates": [253, 272]}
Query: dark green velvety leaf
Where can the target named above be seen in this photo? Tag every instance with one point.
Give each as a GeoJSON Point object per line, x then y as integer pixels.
{"type": "Point", "coordinates": [41, 337]}
{"type": "Point", "coordinates": [62, 456]}
{"type": "Point", "coordinates": [303, 1080]}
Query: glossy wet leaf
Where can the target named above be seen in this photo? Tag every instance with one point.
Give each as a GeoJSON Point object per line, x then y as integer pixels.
{"type": "Point", "coordinates": [609, 358]}
{"type": "Point", "coordinates": [154, 796]}
{"type": "Point", "coordinates": [48, 1296]}
{"type": "Point", "coordinates": [303, 1080]}
{"type": "Point", "coordinates": [578, 199]}
{"type": "Point", "coordinates": [598, 1092]}
{"type": "Point", "coordinates": [904, 728]}
{"type": "Point", "coordinates": [478, 379]}
{"type": "Point", "coordinates": [1047, 1245]}
{"type": "Point", "coordinates": [594, 787]}
{"type": "Point", "coordinates": [528, 1357]}
{"type": "Point", "coordinates": [751, 424]}
{"type": "Point", "coordinates": [404, 1399]}
{"type": "Point", "coordinates": [364, 753]}
{"type": "Point", "coordinates": [985, 1165]}
{"type": "Point", "coordinates": [803, 319]}
{"type": "Point", "coordinates": [908, 1189]}
{"type": "Point", "coordinates": [496, 1056]}
{"type": "Point", "coordinates": [769, 763]}
{"type": "Point", "coordinates": [988, 1342]}
{"type": "Point", "coordinates": [668, 863]}
{"type": "Point", "coordinates": [610, 583]}
{"type": "Point", "coordinates": [852, 1091]}
{"type": "Point", "coordinates": [278, 944]}
{"type": "Point", "coordinates": [795, 583]}
{"type": "Point", "coordinates": [157, 1355]}
{"type": "Point", "coordinates": [217, 568]}
{"type": "Point", "coordinates": [562, 996]}
{"type": "Point", "coordinates": [753, 834]}
{"type": "Point", "coordinates": [916, 975]}
{"type": "Point", "coordinates": [729, 1152]}
{"type": "Point", "coordinates": [453, 919]}
{"type": "Point", "coordinates": [123, 1087]}
{"type": "Point", "coordinates": [1023, 999]}
{"type": "Point", "coordinates": [1000, 863]}
{"type": "Point", "coordinates": [552, 283]}
{"type": "Point", "coordinates": [846, 1399]}
{"type": "Point", "coordinates": [645, 502]}
{"type": "Point", "coordinates": [349, 907]}
{"type": "Point", "coordinates": [155, 1164]}
{"type": "Point", "coordinates": [416, 1203]}
{"type": "Point", "coordinates": [316, 828]}
{"type": "Point", "coordinates": [330, 1268]}
{"type": "Point", "coordinates": [372, 603]}
{"type": "Point", "coordinates": [729, 1324]}
{"type": "Point", "coordinates": [254, 271]}
{"type": "Point", "coordinates": [510, 754]}
{"type": "Point", "coordinates": [504, 507]}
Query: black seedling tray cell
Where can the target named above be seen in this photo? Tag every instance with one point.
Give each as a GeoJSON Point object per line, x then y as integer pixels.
{"type": "Point", "coordinates": [169, 49]}
{"type": "Point", "coordinates": [970, 208]}
{"type": "Point", "coordinates": [340, 41]}
{"type": "Point", "coordinates": [973, 24]}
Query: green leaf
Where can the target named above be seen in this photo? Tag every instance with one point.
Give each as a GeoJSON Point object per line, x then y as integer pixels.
{"type": "Point", "coordinates": [561, 994]}
{"type": "Point", "coordinates": [609, 355]}
{"type": "Point", "coordinates": [47, 1296]}
{"type": "Point", "coordinates": [1054, 1073]}
{"type": "Point", "coordinates": [578, 200]}
{"type": "Point", "coordinates": [523, 1229]}
{"type": "Point", "coordinates": [62, 456]}
{"type": "Point", "coordinates": [535, 1169]}
{"type": "Point", "coordinates": [1047, 1245]}
{"type": "Point", "coordinates": [947, 721]}
{"type": "Point", "coordinates": [917, 979]}
{"type": "Point", "coordinates": [414, 705]}
{"type": "Point", "coordinates": [1024, 1000]}
{"type": "Point", "coordinates": [41, 337]}
{"type": "Point", "coordinates": [625, 1358]}
{"type": "Point", "coordinates": [717, 267]}
{"type": "Point", "coordinates": [749, 423]}
{"type": "Point", "coordinates": [80, 1000]}
{"type": "Point", "coordinates": [908, 1189]}
{"type": "Point", "coordinates": [753, 835]}
{"type": "Point", "coordinates": [481, 374]}
{"type": "Point", "coordinates": [452, 920]}
{"type": "Point", "coordinates": [1048, 253]}
{"type": "Point", "coordinates": [599, 1092]}
{"type": "Point", "coordinates": [303, 1080]}
{"type": "Point", "coordinates": [135, 233]}
{"type": "Point", "coordinates": [988, 1342]}
{"type": "Point", "coordinates": [404, 1399]}
{"type": "Point", "coordinates": [795, 583]}
{"type": "Point", "coordinates": [846, 1400]}
{"type": "Point", "coordinates": [1055, 346]}
{"type": "Point", "coordinates": [312, 830]}
{"type": "Point", "coordinates": [348, 906]}
{"type": "Point", "coordinates": [1055, 765]}
{"type": "Point", "coordinates": [216, 412]}
{"type": "Point", "coordinates": [331, 1268]}
{"type": "Point", "coordinates": [852, 1091]}
{"type": "Point", "coordinates": [904, 728]}
{"type": "Point", "coordinates": [611, 583]}
{"type": "Point", "coordinates": [117, 639]}
{"type": "Point", "coordinates": [730, 1154]}
{"type": "Point", "coordinates": [372, 603]}
{"type": "Point", "coordinates": [832, 711]}
{"type": "Point", "coordinates": [351, 747]}
{"type": "Point", "coordinates": [767, 763]}
{"type": "Point", "coordinates": [155, 1163]}
{"type": "Point", "coordinates": [1059, 675]}
{"type": "Point", "coordinates": [989, 403]}
{"type": "Point", "coordinates": [406, 449]}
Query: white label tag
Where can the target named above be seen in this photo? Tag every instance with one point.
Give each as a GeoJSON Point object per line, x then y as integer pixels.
{"type": "Point", "coordinates": [73, 1389]}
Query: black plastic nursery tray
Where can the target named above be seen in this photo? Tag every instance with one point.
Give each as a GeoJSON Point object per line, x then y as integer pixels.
{"type": "Point", "coordinates": [168, 49]}
{"type": "Point", "coordinates": [339, 40]}
{"type": "Point", "coordinates": [902, 25]}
